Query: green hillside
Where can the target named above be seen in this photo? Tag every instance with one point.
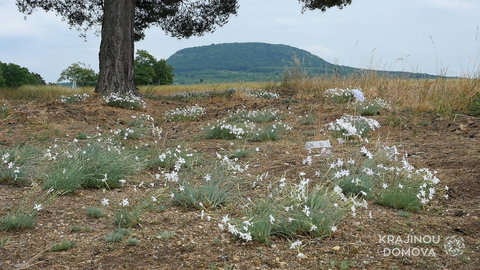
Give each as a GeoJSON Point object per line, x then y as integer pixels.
{"type": "Point", "coordinates": [233, 62]}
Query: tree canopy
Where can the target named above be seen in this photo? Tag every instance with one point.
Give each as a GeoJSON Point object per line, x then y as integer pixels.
{"type": "Point", "coordinates": [13, 75]}
{"type": "Point", "coordinates": [149, 70]}
{"type": "Point", "coordinates": [125, 21]}
{"type": "Point", "coordinates": [79, 72]}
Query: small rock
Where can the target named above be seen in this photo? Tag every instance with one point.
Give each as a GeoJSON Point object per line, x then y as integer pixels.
{"type": "Point", "coordinates": [236, 258]}
{"type": "Point", "coordinates": [336, 248]}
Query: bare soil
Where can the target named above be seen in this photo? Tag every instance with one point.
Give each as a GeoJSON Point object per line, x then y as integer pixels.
{"type": "Point", "coordinates": [450, 145]}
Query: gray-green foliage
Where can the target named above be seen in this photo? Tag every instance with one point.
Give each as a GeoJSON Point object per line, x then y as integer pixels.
{"type": "Point", "coordinates": [94, 166]}
{"type": "Point", "coordinates": [19, 165]}
{"type": "Point", "coordinates": [211, 191]}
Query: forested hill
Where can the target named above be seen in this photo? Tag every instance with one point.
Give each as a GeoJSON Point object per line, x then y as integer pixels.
{"type": "Point", "coordinates": [233, 62]}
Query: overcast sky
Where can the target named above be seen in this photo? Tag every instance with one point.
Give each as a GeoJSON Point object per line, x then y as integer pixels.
{"type": "Point", "coordinates": [431, 36]}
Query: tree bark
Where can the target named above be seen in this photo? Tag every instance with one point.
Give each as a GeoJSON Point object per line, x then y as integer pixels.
{"type": "Point", "coordinates": [116, 60]}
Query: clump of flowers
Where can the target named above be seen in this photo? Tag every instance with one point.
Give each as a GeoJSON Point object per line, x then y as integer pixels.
{"type": "Point", "coordinates": [128, 101]}
{"type": "Point", "coordinates": [369, 108]}
{"type": "Point", "coordinates": [74, 99]}
{"type": "Point", "coordinates": [257, 116]}
{"type": "Point", "coordinates": [289, 210]}
{"type": "Point", "coordinates": [338, 95]}
{"type": "Point", "coordinates": [185, 114]}
{"type": "Point", "coordinates": [351, 127]}
{"type": "Point", "coordinates": [260, 93]}
{"type": "Point", "coordinates": [228, 131]}
{"type": "Point", "coordinates": [169, 159]}
{"type": "Point", "coordinates": [3, 111]}
{"type": "Point", "coordinates": [17, 165]}
{"type": "Point", "coordinates": [385, 177]}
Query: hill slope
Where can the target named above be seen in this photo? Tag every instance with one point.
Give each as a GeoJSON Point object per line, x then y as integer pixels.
{"type": "Point", "coordinates": [231, 62]}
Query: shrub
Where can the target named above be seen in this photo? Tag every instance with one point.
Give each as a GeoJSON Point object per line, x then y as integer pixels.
{"type": "Point", "coordinates": [132, 241]}
{"type": "Point", "coordinates": [164, 235]}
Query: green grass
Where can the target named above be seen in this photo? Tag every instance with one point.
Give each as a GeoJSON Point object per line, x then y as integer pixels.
{"type": "Point", "coordinates": [126, 217]}
{"type": "Point", "coordinates": [16, 222]}
{"type": "Point", "coordinates": [165, 235]}
{"type": "Point", "coordinates": [309, 119]}
{"type": "Point", "coordinates": [268, 133]}
{"type": "Point", "coordinates": [117, 236]}
{"type": "Point", "coordinates": [474, 105]}
{"type": "Point", "coordinates": [64, 245]}
{"type": "Point", "coordinates": [132, 241]}
{"type": "Point", "coordinates": [239, 154]}
{"type": "Point", "coordinates": [19, 165]}
{"type": "Point", "coordinates": [95, 212]}
{"type": "Point", "coordinates": [4, 111]}
{"type": "Point", "coordinates": [82, 229]}
{"type": "Point", "coordinates": [218, 132]}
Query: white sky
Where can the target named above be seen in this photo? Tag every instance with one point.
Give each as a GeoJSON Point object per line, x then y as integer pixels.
{"type": "Point", "coordinates": [432, 36]}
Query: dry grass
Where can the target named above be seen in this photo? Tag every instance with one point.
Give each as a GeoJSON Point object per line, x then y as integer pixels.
{"type": "Point", "coordinates": [165, 90]}
{"type": "Point", "coordinates": [444, 96]}
{"type": "Point", "coordinates": [46, 93]}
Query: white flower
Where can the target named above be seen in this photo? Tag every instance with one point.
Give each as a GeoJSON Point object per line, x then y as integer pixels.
{"type": "Point", "coordinates": [301, 255]}
{"type": "Point", "coordinates": [400, 186]}
{"type": "Point", "coordinates": [313, 228]}
{"type": "Point", "coordinates": [208, 177]}
{"type": "Point", "coordinates": [37, 207]}
{"type": "Point", "coordinates": [124, 202]}
{"type": "Point", "coordinates": [105, 202]}
{"type": "Point", "coordinates": [334, 228]}
{"type": "Point", "coordinates": [296, 244]}
{"type": "Point", "coordinates": [122, 181]}
{"type": "Point", "coordinates": [225, 219]}
{"type": "Point", "coordinates": [154, 199]}
{"type": "Point", "coordinates": [272, 219]}
{"type": "Point", "coordinates": [384, 185]}
{"type": "Point", "coordinates": [257, 149]}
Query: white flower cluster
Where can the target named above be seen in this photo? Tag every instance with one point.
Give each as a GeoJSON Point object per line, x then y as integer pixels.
{"type": "Point", "coordinates": [349, 126]}
{"type": "Point", "coordinates": [260, 93]}
{"type": "Point", "coordinates": [9, 166]}
{"type": "Point", "coordinates": [191, 112]}
{"type": "Point", "coordinates": [265, 115]}
{"type": "Point", "coordinates": [339, 95]}
{"type": "Point", "coordinates": [128, 101]}
{"type": "Point", "coordinates": [177, 157]}
{"type": "Point", "coordinates": [76, 98]}
{"type": "Point", "coordinates": [231, 164]}
{"type": "Point", "coordinates": [237, 130]}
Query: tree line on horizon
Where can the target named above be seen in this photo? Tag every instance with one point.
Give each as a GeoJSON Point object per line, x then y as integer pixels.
{"type": "Point", "coordinates": [13, 75]}
{"type": "Point", "coordinates": [148, 71]}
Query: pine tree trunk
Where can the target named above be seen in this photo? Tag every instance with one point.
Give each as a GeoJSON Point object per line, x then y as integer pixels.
{"type": "Point", "coordinates": [117, 74]}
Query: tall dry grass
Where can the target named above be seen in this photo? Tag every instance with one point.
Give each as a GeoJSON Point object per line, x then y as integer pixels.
{"type": "Point", "coordinates": [441, 95]}
{"type": "Point", "coordinates": [165, 90]}
{"type": "Point", "coordinates": [44, 93]}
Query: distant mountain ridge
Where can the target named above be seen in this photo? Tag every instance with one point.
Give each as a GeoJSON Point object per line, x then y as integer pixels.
{"type": "Point", "coordinates": [254, 61]}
